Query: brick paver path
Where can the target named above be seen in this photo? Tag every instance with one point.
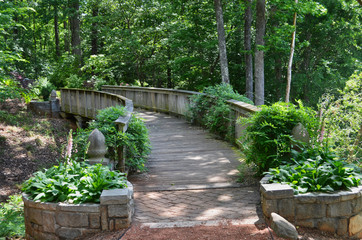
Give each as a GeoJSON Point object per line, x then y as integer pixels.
{"type": "Point", "coordinates": [191, 179]}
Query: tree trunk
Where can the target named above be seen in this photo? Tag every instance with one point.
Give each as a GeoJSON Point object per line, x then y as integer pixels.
{"type": "Point", "coordinates": [75, 29]}
{"type": "Point", "coordinates": [248, 55]}
{"type": "Point", "coordinates": [56, 31]}
{"type": "Point", "coordinates": [259, 52]}
{"type": "Point", "coordinates": [94, 36]}
{"type": "Point", "coordinates": [290, 63]}
{"type": "Point", "coordinates": [66, 37]}
{"type": "Point", "coordinates": [222, 42]}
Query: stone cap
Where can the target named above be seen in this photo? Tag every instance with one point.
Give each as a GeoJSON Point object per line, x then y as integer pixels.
{"type": "Point", "coordinates": [276, 191]}
{"type": "Point", "coordinates": [117, 196]}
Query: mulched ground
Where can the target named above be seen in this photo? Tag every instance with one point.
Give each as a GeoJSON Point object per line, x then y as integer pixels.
{"type": "Point", "coordinates": [27, 143]}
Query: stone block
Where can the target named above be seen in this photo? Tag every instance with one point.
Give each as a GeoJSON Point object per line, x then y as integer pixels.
{"type": "Point", "coordinates": [104, 218]}
{"type": "Point", "coordinates": [340, 209]}
{"type": "Point", "coordinates": [120, 223]}
{"type": "Point", "coordinates": [85, 208]}
{"type": "Point", "coordinates": [115, 196]}
{"type": "Point", "coordinates": [305, 211]}
{"type": "Point", "coordinates": [38, 235]}
{"type": "Point", "coordinates": [348, 195]}
{"type": "Point", "coordinates": [355, 224]}
{"type": "Point", "coordinates": [327, 225]}
{"type": "Point", "coordinates": [49, 222]}
{"type": "Point", "coordinates": [118, 211]}
{"type": "Point", "coordinates": [269, 206]}
{"type": "Point", "coordinates": [342, 226]}
{"type": "Point", "coordinates": [286, 208]}
{"type": "Point", "coordinates": [35, 215]}
{"type": "Point", "coordinates": [357, 205]}
{"type": "Point", "coordinates": [111, 225]}
{"type": "Point", "coordinates": [276, 191]}
{"type": "Point", "coordinates": [305, 198]}
{"type": "Point", "coordinates": [72, 219]}
{"type": "Point", "coordinates": [310, 223]}
{"type": "Point", "coordinates": [327, 198]}
{"type": "Point", "coordinates": [68, 233]}
{"type": "Point", "coordinates": [94, 220]}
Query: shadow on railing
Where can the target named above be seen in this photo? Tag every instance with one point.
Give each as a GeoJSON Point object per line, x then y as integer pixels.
{"type": "Point", "coordinates": [86, 104]}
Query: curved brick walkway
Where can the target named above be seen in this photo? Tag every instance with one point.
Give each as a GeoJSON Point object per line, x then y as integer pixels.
{"type": "Point", "coordinates": [191, 179]}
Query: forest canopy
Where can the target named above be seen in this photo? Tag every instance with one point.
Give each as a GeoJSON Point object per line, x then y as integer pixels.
{"type": "Point", "coordinates": [174, 44]}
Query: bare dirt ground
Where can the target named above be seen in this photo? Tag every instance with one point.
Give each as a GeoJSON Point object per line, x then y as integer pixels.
{"type": "Point", "coordinates": [29, 143]}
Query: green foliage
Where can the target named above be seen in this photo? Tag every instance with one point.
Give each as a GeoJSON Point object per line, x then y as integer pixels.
{"type": "Point", "coordinates": [76, 182]}
{"type": "Point", "coordinates": [268, 140]}
{"type": "Point", "coordinates": [12, 218]}
{"type": "Point", "coordinates": [211, 110]}
{"type": "Point", "coordinates": [135, 139]}
{"type": "Point", "coordinates": [343, 121]}
{"type": "Point", "coordinates": [316, 171]}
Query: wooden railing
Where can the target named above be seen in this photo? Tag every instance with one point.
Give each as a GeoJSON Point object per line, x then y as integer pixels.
{"type": "Point", "coordinates": [176, 102]}
{"type": "Point", "coordinates": [87, 103]}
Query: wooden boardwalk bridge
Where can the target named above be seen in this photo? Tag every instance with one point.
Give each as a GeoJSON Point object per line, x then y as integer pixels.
{"type": "Point", "coordinates": [192, 177]}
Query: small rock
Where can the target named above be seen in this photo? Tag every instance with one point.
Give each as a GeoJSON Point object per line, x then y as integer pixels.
{"type": "Point", "coordinates": [283, 228]}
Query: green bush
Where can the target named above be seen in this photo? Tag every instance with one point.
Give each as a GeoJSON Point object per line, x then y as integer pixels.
{"type": "Point", "coordinates": [316, 171]}
{"type": "Point", "coordinates": [76, 182]}
{"type": "Point", "coordinates": [12, 218]}
{"type": "Point", "coordinates": [268, 139]}
{"type": "Point", "coordinates": [135, 139]}
{"type": "Point", "coordinates": [211, 110]}
{"type": "Point", "coordinates": [342, 119]}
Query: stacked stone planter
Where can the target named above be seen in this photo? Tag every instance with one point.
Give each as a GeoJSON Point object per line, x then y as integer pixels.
{"type": "Point", "coordinates": [69, 221]}
{"type": "Point", "coordinates": [339, 212]}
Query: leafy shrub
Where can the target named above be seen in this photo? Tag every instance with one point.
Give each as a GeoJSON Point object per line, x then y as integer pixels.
{"type": "Point", "coordinates": [211, 110]}
{"type": "Point", "coordinates": [135, 139]}
{"type": "Point", "coordinates": [342, 120]}
{"type": "Point", "coordinates": [316, 172]}
{"type": "Point", "coordinates": [12, 218]}
{"type": "Point", "coordinates": [76, 182]}
{"type": "Point", "coordinates": [268, 140]}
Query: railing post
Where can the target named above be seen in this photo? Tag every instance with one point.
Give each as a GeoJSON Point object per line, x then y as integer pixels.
{"type": "Point", "coordinates": [122, 124]}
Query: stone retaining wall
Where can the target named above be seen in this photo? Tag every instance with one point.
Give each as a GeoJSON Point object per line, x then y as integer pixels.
{"type": "Point", "coordinates": [48, 221]}
{"type": "Point", "coordinates": [339, 212]}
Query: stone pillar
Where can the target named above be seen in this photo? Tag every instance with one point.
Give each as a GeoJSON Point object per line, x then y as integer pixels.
{"type": "Point", "coordinates": [97, 148]}
{"type": "Point", "coordinates": [54, 104]}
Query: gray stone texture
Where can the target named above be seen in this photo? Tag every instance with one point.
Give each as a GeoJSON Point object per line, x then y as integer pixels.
{"type": "Point", "coordinates": [282, 227]}
{"type": "Point", "coordinates": [71, 219]}
{"type": "Point", "coordinates": [115, 196]}
{"type": "Point", "coordinates": [276, 191]}
{"type": "Point", "coordinates": [97, 148]}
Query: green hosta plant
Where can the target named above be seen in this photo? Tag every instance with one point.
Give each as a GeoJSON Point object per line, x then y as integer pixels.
{"type": "Point", "coordinates": [320, 173]}
{"type": "Point", "coordinates": [76, 182]}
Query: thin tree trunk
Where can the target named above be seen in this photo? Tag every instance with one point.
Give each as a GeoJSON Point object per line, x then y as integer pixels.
{"type": "Point", "coordinates": [259, 53]}
{"type": "Point", "coordinates": [94, 36]}
{"type": "Point", "coordinates": [66, 37]}
{"type": "Point", "coordinates": [222, 42]}
{"type": "Point", "coordinates": [75, 29]}
{"type": "Point", "coordinates": [56, 31]}
{"type": "Point", "coordinates": [290, 63]}
{"type": "Point", "coordinates": [248, 55]}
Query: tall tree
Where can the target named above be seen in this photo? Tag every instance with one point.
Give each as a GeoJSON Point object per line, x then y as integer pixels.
{"type": "Point", "coordinates": [248, 54]}
{"type": "Point", "coordinates": [56, 30]}
{"type": "Point", "coordinates": [259, 52]}
{"type": "Point", "coordinates": [290, 62]}
{"type": "Point", "coordinates": [75, 28]}
{"type": "Point", "coordinates": [222, 42]}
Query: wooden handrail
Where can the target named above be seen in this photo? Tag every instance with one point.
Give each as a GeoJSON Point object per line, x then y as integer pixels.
{"type": "Point", "coordinates": [87, 103]}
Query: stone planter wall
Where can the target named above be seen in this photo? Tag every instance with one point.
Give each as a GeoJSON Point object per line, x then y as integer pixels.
{"type": "Point", "coordinates": [339, 212]}
{"type": "Point", "coordinates": [47, 221]}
